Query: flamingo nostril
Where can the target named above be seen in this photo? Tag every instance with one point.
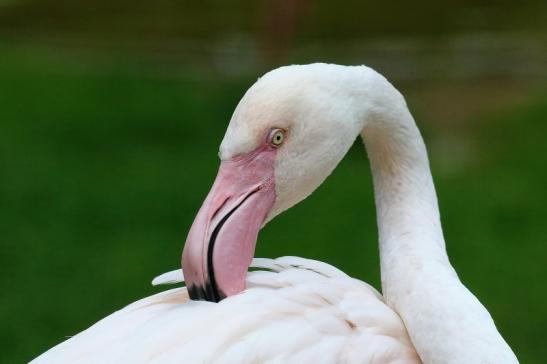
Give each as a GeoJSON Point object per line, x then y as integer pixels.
{"type": "Point", "coordinates": [220, 207]}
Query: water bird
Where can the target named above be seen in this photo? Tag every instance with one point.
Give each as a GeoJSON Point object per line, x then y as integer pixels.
{"type": "Point", "coordinates": [287, 134]}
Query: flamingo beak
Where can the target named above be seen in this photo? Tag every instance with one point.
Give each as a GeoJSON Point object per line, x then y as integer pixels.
{"type": "Point", "coordinates": [221, 242]}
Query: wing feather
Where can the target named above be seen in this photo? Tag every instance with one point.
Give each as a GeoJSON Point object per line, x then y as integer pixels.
{"type": "Point", "coordinates": [294, 310]}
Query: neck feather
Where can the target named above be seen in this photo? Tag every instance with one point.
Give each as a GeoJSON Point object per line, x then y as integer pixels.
{"type": "Point", "coordinates": [446, 323]}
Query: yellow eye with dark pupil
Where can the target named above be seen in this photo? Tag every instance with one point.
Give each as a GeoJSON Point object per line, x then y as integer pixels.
{"type": "Point", "coordinates": [277, 138]}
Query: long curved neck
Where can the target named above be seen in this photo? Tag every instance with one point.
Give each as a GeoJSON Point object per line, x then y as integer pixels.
{"type": "Point", "coordinates": [407, 210]}
{"type": "Point", "coordinates": [446, 323]}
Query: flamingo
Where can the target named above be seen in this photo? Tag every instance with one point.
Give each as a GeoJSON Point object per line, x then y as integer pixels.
{"type": "Point", "coordinates": [287, 134]}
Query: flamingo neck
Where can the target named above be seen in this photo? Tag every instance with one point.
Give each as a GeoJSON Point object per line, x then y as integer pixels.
{"type": "Point", "coordinates": [446, 323]}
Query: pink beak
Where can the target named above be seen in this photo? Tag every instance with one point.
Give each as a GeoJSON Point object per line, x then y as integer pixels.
{"type": "Point", "coordinates": [221, 242]}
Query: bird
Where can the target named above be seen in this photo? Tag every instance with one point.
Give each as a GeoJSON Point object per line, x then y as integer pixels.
{"type": "Point", "coordinates": [286, 135]}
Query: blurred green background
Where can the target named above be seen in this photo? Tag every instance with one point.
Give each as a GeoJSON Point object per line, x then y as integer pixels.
{"type": "Point", "coordinates": [111, 113]}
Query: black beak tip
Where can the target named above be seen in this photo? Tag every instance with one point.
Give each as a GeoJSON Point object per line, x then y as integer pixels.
{"type": "Point", "coordinates": [207, 293]}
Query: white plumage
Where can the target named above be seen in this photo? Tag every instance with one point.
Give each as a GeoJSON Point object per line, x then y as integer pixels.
{"type": "Point", "coordinates": [299, 311]}
{"type": "Point", "coordinates": [303, 311]}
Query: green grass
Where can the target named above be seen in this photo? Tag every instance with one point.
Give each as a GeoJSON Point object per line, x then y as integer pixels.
{"type": "Point", "coordinates": [102, 170]}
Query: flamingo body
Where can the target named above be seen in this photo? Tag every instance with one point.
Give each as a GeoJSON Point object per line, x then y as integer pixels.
{"type": "Point", "coordinates": [286, 136]}
{"type": "Point", "coordinates": [316, 313]}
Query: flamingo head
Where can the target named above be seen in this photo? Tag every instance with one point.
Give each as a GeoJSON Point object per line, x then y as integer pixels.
{"type": "Point", "coordinates": [285, 137]}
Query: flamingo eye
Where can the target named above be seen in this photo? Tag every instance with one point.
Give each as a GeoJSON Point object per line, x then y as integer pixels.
{"type": "Point", "coordinates": [276, 137]}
